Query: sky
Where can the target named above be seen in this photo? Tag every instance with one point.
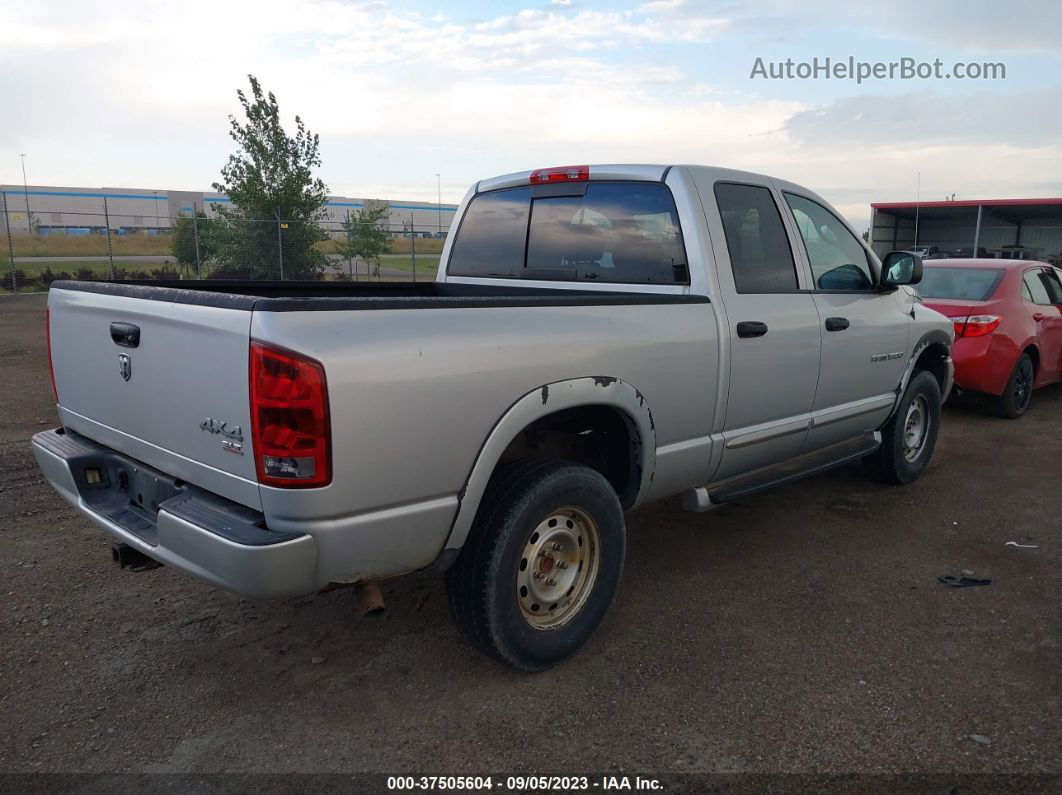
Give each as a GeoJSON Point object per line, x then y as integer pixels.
{"type": "Point", "coordinates": [115, 94]}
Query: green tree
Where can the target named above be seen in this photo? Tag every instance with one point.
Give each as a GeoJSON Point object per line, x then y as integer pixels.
{"type": "Point", "coordinates": [270, 228]}
{"type": "Point", "coordinates": [187, 234]}
{"type": "Point", "coordinates": [363, 237]}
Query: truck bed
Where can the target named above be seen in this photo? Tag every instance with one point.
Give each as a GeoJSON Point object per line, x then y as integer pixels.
{"type": "Point", "coordinates": [299, 296]}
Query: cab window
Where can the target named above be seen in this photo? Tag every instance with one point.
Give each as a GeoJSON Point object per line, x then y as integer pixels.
{"type": "Point", "coordinates": [838, 260]}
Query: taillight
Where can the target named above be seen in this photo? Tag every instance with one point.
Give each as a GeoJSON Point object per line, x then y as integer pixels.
{"type": "Point", "coordinates": [975, 325]}
{"type": "Point", "coordinates": [289, 419]}
{"type": "Point", "coordinates": [560, 174]}
{"type": "Point", "coordinates": [48, 341]}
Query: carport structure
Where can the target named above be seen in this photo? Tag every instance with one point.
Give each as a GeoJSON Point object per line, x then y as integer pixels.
{"type": "Point", "coordinates": [1004, 228]}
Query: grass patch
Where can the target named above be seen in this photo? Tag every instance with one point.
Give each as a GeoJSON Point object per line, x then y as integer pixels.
{"type": "Point", "coordinates": [138, 244]}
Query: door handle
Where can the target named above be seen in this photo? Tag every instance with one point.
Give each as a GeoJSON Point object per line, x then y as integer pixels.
{"type": "Point", "coordinates": [836, 323]}
{"type": "Point", "coordinates": [125, 334]}
{"type": "Point", "coordinates": [1038, 316]}
{"type": "Point", "coordinates": [751, 328]}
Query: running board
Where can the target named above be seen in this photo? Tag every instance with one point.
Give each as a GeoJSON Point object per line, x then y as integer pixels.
{"type": "Point", "coordinates": [704, 498]}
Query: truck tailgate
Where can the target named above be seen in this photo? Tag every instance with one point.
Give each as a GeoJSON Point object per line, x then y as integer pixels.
{"type": "Point", "coordinates": [163, 382]}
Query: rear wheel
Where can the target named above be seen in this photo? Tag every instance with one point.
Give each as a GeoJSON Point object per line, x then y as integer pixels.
{"type": "Point", "coordinates": [1018, 393]}
{"type": "Point", "coordinates": [542, 564]}
{"type": "Point", "coordinates": [908, 438]}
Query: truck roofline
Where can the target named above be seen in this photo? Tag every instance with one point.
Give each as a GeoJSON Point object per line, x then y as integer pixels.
{"type": "Point", "coordinates": [637, 172]}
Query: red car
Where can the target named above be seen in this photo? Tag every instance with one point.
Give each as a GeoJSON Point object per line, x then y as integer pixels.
{"type": "Point", "coordinates": [1008, 325]}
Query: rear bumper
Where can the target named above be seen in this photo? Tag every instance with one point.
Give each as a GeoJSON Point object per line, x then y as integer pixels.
{"type": "Point", "coordinates": [198, 533]}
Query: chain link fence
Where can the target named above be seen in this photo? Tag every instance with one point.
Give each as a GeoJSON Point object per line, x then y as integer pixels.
{"type": "Point", "coordinates": [108, 245]}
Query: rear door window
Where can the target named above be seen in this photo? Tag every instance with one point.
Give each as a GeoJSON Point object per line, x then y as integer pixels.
{"type": "Point", "coordinates": [621, 232]}
{"type": "Point", "coordinates": [760, 256]}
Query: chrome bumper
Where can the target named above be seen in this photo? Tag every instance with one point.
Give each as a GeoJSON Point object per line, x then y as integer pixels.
{"type": "Point", "coordinates": [201, 534]}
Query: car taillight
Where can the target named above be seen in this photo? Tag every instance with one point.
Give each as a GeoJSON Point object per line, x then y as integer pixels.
{"type": "Point", "coordinates": [560, 174]}
{"type": "Point", "coordinates": [975, 325]}
{"type": "Point", "coordinates": [48, 342]}
{"type": "Point", "coordinates": [289, 419]}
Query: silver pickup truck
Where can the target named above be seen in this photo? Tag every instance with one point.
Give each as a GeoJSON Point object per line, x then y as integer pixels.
{"type": "Point", "coordinates": [598, 337]}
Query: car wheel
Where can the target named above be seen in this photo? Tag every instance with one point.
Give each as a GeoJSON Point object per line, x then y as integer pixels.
{"type": "Point", "coordinates": [1018, 393]}
{"type": "Point", "coordinates": [908, 438]}
{"type": "Point", "coordinates": [542, 564]}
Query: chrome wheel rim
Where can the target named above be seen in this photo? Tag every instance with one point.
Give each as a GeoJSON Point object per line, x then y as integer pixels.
{"type": "Point", "coordinates": [915, 429]}
{"type": "Point", "coordinates": [1023, 385]}
{"type": "Point", "coordinates": [558, 567]}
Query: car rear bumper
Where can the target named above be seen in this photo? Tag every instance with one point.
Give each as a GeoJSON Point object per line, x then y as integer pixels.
{"type": "Point", "coordinates": [198, 533]}
{"type": "Point", "coordinates": [983, 364]}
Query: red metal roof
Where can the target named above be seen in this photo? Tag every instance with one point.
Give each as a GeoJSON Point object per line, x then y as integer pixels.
{"type": "Point", "coordinates": [966, 203]}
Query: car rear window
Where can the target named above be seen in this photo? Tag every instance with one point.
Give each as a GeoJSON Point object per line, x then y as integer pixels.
{"type": "Point", "coordinates": [620, 232]}
{"type": "Point", "coordinates": [968, 284]}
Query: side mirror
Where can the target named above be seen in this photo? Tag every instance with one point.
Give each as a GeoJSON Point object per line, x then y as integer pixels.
{"type": "Point", "coordinates": [901, 267]}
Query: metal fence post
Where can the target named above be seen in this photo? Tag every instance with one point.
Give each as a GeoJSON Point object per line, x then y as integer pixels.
{"type": "Point", "coordinates": [280, 247]}
{"type": "Point", "coordinates": [413, 245]}
{"type": "Point", "coordinates": [195, 232]}
{"type": "Point", "coordinates": [110, 252]}
{"type": "Point", "coordinates": [10, 247]}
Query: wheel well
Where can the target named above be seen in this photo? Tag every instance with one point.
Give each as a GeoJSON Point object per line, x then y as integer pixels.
{"type": "Point", "coordinates": [934, 359]}
{"type": "Point", "coordinates": [600, 437]}
{"type": "Point", "coordinates": [1034, 354]}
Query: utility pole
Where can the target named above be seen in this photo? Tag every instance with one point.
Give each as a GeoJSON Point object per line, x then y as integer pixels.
{"type": "Point", "coordinates": [918, 201]}
{"type": "Point", "coordinates": [438, 185]}
{"type": "Point", "coordinates": [25, 192]}
{"type": "Point", "coordinates": [413, 244]}
{"type": "Point", "coordinates": [157, 224]}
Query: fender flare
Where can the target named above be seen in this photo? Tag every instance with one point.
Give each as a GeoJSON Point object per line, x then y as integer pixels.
{"type": "Point", "coordinates": [934, 336]}
{"type": "Point", "coordinates": [538, 403]}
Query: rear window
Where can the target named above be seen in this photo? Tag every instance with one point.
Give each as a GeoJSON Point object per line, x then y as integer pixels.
{"type": "Point", "coordinates": [967, 284]}
{"type": "Point", "coordinates": [620, 232]}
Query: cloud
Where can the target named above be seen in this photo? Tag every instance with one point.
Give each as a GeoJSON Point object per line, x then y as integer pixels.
{"type": "Point", "coordinates": [98, 95]}
{"type": "Point", "coordinates": [1023, 118]}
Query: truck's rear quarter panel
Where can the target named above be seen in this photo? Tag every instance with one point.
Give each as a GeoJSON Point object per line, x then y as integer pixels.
{"type": "Point", "coordinates": [414, 394]}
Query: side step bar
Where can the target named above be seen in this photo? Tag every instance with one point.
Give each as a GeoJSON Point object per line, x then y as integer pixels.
{"type": "Point", "coordinates": [704, 498]}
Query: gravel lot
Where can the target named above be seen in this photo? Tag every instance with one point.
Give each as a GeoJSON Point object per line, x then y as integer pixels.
{"type": "Point", "coordinates": [801, 631]}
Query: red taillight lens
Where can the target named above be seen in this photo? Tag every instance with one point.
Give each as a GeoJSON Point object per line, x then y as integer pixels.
{"type": "Point", "coordinates": [289, 419]}
{"type": "Point", "coordinates": [560, 174]}
{"type": "Point", "coordinates": [48, 341]}
{"type": "Point", "coordinates": [975, 325]}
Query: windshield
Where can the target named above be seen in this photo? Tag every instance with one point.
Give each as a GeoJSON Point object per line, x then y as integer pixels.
{"type": "Point", "coordinates": [968, 284]}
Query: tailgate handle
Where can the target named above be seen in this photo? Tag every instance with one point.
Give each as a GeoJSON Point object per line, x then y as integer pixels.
{"type": "Point", "coordinates": [125, 334]}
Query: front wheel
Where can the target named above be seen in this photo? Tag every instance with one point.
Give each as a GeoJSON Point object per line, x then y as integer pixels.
{"type": "Point", "coordinates": [1018, 393]}
{"type": "Point", "coordinates": [908, 438]}
{"type": "Point", "coordinates": [542, 564]}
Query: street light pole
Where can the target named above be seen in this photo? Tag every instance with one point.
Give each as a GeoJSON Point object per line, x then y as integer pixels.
{"type": "Point", "coordinates": [438, 185]}
{"type": "Point", "coordinates": [25, 191]}
{"type": "Point", "coordinates": [157, 223]}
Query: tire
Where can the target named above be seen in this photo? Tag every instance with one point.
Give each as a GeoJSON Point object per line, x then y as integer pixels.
{"type": "Point", "coordinates": [1018, 393]}
{"type": "Point", "coordinates": [500, 590]}
{"type": "Point", "coordinates": [905, 451]}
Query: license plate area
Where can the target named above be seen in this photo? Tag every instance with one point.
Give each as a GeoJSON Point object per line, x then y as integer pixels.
{"type": "Point", "coordinates": [127, 493]}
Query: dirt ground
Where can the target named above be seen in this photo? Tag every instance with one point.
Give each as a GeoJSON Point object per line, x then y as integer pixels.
{"type": "Point", "coordinates": [803, 630]}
